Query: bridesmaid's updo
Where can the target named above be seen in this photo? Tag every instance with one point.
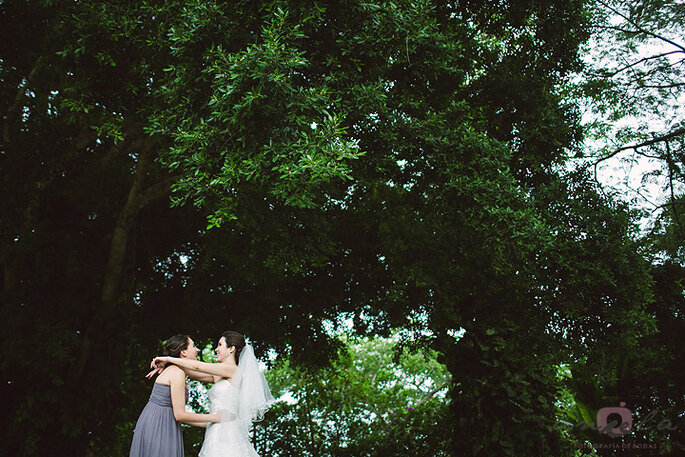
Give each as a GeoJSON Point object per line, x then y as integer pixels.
{"type": "Point", "coordinates": [174, 345]}
{"type": "Point", "coordinates": [234, 339]}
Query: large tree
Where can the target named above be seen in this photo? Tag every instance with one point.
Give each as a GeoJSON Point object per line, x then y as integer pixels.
{"type": "Point", "coordinates": [84, 218]}
{"type": "Point", "coordinates": [391, 163]}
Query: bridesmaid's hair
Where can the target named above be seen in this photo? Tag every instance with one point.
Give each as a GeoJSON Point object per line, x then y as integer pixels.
{"type": "Point", "coordinates": [234, 339]}
{"type": "Point", "coordinates": [174, 345]}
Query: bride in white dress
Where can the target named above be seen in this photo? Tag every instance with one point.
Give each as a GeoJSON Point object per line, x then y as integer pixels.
{"type": "Point", "coordinates": [240, 392]}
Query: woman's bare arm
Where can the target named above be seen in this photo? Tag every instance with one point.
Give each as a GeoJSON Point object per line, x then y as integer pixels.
{"type": "Point", "coordinates": [222, 370]}
{"type": "Point", "coordinates": [177, 383]}
{"type": "Point", "coordinates": [200, 376]}
{"type": "Point", "coordinates": [196, 375]}
{"type": "Point", "coordinates": [196, 423]}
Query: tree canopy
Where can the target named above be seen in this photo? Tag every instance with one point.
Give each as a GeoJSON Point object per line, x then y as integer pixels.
{"type": "Point", "coordinates": [282, 168]}
{"type": "Point", "coordinates": [372, 400]}
{"type": "Point", "coordinates": [635, 86]}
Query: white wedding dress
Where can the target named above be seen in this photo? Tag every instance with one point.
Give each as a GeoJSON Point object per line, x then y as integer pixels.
{"type": "Point", "coordinates": [242, 400]}
{"type": "Point", "coordinates": [227, 438]}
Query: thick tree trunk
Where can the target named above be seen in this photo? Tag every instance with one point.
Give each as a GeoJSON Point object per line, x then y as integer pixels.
{"type": "Point", "coordinates": [122, 229]}
{"type": "Point", "coordinates": [138, 197]}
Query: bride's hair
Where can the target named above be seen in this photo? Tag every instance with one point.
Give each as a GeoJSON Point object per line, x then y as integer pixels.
{"type": "Point", "coordinates": [174, 345]}
{"type": "Point", "coordinates": [234, 339]}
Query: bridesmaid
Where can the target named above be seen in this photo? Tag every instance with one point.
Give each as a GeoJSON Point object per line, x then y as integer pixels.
{"type": "Point", "coordinates": [158, 430]}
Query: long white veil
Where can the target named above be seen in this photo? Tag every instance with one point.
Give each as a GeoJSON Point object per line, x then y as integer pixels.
{"type": "Point", "coordinates": [250, 396]}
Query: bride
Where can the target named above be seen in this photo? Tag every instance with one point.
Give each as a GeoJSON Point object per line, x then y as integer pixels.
{"type": "Point", "coordinates": [240, 392]}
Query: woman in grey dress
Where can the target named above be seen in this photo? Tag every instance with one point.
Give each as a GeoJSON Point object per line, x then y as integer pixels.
{"type": "Point", "coordinates": [158, 430]}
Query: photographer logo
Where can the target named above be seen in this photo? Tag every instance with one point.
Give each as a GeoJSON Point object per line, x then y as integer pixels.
{"type": "Point", "coordinates": [615, 420]}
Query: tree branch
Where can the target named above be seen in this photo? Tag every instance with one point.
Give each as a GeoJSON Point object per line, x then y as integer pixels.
{"type": "Point", "coordinates": [117, 253]}
{"type": "Point", "coordinates": [644, 59]}
{"type": "Point", "coordinates": [676, 218]}
{"type": "Point", "coordinates": [659, 139]}
{"type": "Point", "coordinates": [639, 28]}
{"type": "Point", "coordinates": [156, 191]}
{"type": "Point", "coordinates": [661, 86]}
{"type": "Point", "coordinates": [432, 393]}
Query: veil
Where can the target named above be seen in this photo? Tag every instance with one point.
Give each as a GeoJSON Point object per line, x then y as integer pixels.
{"type": "Point", "coordinates": [249, 397]}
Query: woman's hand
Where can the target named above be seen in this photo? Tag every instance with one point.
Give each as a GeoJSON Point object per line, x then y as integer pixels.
{"type": "Point", "coordinates": [158, 362]}
{"type": "Point", "coordinates": [155, 371]}
{"type": "Point", "coordinates": [226, 415]}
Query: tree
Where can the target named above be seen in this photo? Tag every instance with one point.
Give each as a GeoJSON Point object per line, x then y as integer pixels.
{"type": "Point", "coordinates": [84, 221]}
{"type": "Point", "coordinates": [456, 215]}
{"type": "Point", "coordinates": [634, 83]}
{"type": "Point", "coordinates": [396, 164]}
{"type": "Point", "coordinates": [372, 400]}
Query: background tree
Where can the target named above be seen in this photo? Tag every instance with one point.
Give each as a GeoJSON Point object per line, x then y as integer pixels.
{"type": "Point", "coordinates": [83, 220]}
{"type": "Point", "coordinates": [634, 81]}
{"type": "Point", "coordinates": [370, 401]}
{"type": "Point", "coordinates": [635, 87]}
{"type": "Point", "coordinates": [481, 209]}
{"type": "Point", "coordinates": [395, 164]}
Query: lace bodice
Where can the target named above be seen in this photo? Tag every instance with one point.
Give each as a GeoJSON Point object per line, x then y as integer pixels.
{"type": "Point", "coordinates": [217, 393]}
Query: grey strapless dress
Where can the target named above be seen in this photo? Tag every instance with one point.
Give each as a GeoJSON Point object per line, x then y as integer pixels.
{"type": "Point", "coordinates": [157, 433]}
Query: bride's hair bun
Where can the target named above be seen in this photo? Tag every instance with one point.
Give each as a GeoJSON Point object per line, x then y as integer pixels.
{"type": "Point", "coordinates": [234, 339]}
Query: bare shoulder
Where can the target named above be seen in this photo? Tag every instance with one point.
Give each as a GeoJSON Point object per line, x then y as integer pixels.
{"type": "Point", "coordinates": [171, 374]}
{"type": "Point", "coordinates": [175, 371]}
